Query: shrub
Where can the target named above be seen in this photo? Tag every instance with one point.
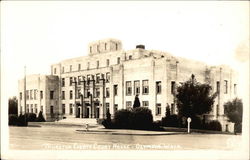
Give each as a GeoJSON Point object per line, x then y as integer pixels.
{"type": "Point", "coordinates": [238, 128]}
{"type": "Point", "coordinates": [22, 120]}
{"type": "Point", "coordinates": [31, 117]}
{"type": "Point", "coordinates": [13, 120]}
{"type": "Point", "coordinates": [40, 117]}
{"type": "Point", "coordinates": [122, 118]}
{"type": "Point", "coordinates": [213, 125]}
{"type": "Point", "coordinates": [141, 118]}
{"type": "Point", "coordinates": [170, 121]}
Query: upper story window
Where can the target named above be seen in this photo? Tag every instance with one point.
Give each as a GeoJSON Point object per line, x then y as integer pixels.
{"type": "Point", "coordinates": [108, 77]}
{"type": "Point", "coordinates": [97, 64]}
{"type": "Point", "coordinates": [107, 62]}
{"type": "Point", "coordinates": [70, 68]}
{"type": "Point", "coordinates": [20, 95]}
{"type": "Point", "coordinates": [116, 46]}
{"type": "Point", "coordinates": [79, 67]}
{"type": "Point", "coordinates": [235, 88]}
{"type": "Point", "coordinates": [54, 70]}
{"type": "Point", "coordinates": [27, 94]}
{"type": "Point", "coordinates": [62, 69]}
{"type": "Point", "coordinates": [225, 87]}
{"type": "Point", "coordinates": [107, 92]}
{"type": "Point", "coordinates": [130, 57]}
{"type": "Point", "coordinates": [115, 90]}
{"type": "Point", "coordinates": [70, 94]}
{"type": "Point", "coordinates": [31, 94]}
{"type": "Point", "coordinates": [51, 95]}
{"type": "Point", "coordinates": [97, 92]}
{"type": "Point", "coordinates": [118, 60]}
{"type": "Point", "coordinates": [35, 91]}
{"type": "Point", "coordinates": [97, 78]}
{"type": "Point", "coordinates": [63, 94]}
{"type": "Point", "coordinates": [41, 94]}
{"type": "Point", "coordinates": [79, 80]}
{"type": "Point", "coordinates": [218, 87]}
{"type": "Point", "coordinates": [158, 87]}
{"type": "Point", "coordinates": [145, 87]}
{"type": "Point", "coordinates": [105, 45]}
{"type": "Point", "coordinates": [128, 88]}
{"type": "Point", "coordinates": [136, 87]}
{"type": "Point", "coordinates": [172, 87]}
{"type": "Point", "coordinates": [90, 49]}
{"type": "Point", "coordinates": [70, 81]}
{"type": "Point", "coordinates": [63, 82]}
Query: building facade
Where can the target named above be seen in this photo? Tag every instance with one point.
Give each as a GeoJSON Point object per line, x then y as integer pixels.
{"type": "Point", "coordinates": [110, 78]}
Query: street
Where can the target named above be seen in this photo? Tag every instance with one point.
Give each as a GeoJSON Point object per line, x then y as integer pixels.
{"type": "Point", "coordinates": [75, 138]}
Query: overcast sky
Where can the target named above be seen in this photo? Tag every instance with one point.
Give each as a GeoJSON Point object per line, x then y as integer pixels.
{"type": "Point", "coordinates": [38, 34]}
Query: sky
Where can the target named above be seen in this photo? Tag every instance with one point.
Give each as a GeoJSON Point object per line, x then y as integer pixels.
{"type": "Point", "coordinates": [40, 33]}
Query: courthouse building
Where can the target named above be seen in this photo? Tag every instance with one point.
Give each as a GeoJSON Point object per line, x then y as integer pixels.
{"type": "Point", "coordinates": [110, 78]}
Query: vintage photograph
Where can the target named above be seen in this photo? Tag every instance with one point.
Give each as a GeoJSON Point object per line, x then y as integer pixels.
{"type": "Point", "coordinates": [125, 80]}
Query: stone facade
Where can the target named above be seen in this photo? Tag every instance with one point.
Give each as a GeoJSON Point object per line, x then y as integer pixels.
{"type": "Point", "coordinates": [110, 77]}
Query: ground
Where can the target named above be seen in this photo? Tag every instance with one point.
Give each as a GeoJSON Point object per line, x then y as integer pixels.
{"type": "Point", "coordinates": [60, 137]}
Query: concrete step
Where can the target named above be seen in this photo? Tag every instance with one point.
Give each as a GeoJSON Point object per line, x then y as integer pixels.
{"type": "Point", "coordinates": [72, 120]}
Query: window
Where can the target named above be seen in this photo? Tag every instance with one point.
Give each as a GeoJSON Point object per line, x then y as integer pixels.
{"type": "Point", "coordinates": [35, 108]}
{"type": "Point", "coordinates": [51, 95]}
{"type": "Point", "coordinates": [136, 87]}
{"type": "Point", "coordinates": [218, 87]}
{"type": "Point", "coordinates": [172, 109]}
{"type": "Point", "coordinates": [20, 95]}
{"type": "Point", "coordinates": [107, 106]}
{"type": "Point", "coordinates": [128, 104]}
{"type": "Point", "coordinates": [70, 94]}
{"type": "Point", "coordinates": [97, 64]}
{"type": "Point", "coordinates": [62, 69]}
{"type": "Point", "coordinates": [116, 46]}
{"type": "Point", "coordinates": [105, 45]}
{"type": "Point", "coordinates": [90, 49]}
{"type": "Point", "coordinates": [27, 94]}
{"type": "Point", "coordinates": [108, 77]}
{"type": "Point", "coordinates": [31, 108]}
{"type": "Point", "coordinates": [54, 70]}
{"type": "Point", "coordinates": [158, 87]}
{"type": "Point", "coordinates": [41, 94]}
{"type": "Point", "coordinates": [107, 93]}
{"type": "Point", "coordinates": [63, 82]}
{"type": "Point", "coordinates": [225, 86]}
{"type": "Point", "coordinates": [27, 106]}
{"type": "Point", "coordinates": [97, 92]}
{"type": "Point", "coordinates": [79, 67]}
{"type": "Point", "coordinates": [70, 81]}
{"type": "Point", "coordinates": [86, 91]}
{"type": "Point", "coordinates": [79, 80]}
{"type": "Point", "coordinates": [31, 94]}
{"type": "Point", "coordinates": [118, 60]}
{"type": "Point", "coordinates": [70, 68]}
{"type": "Point", "coordinates": [145, 103]}
{"type": "Point", "coordinates": [51, 109]}
{"type": "Point", "coordinates": [128, 88]}
{"type": "Point", "coordinates": [35, 91]}
{"type": "Point", "coordinates": [172, 87]}
{"type": "Point", "coordinates": [97, 78]}
{"type": "Point", "coordinates": [88, 64]}
{"type": "Point", "coordinates": [70, 108]}
{"type": "Point", "coordinates": [115, 107]}
{"type": "Point", "coordinates": [145, 87]}
{"type": "Point", "coordinates": [63, 108]}
{"type": "Point", "coordinates": [158, 109]}
{"type": "Point", "coordinates": [107, 62]}
{"type": "Point", "coordinates": [79, 93]}
{"type": "Point", "coordinates": [130, 57]}
{"type": "Point", "coordinates": [63, 94]}
{"type": "Point", "coordinates": [115, 90]}
{"type": "Point", "coordinates": [235, 88]}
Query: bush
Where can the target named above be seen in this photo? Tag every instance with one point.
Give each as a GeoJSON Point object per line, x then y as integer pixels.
{"type": "Point", "coordinates": [122, 118]}
{"type": "Point", "coordinates": [238, 128]}
{"type": "Point", "coordinates": [31, 117]}
{"type": "Point", "coordinates": [170, 121]}
{"type": "Point", "coordinates": [213, 125]}
{"type": "Point", "coordinates": [22, 120]}
{"type": "Point", "coordinates": [13, 120]}
{"type": "Point", "coordinates": [141, 118]}
{"type": "Point", "coordinates": [40, 117]}
{"type": "Point", "coordinates": [196, 123]}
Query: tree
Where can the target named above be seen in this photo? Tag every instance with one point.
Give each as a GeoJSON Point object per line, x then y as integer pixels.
{"type": "Point", "coordinates": [40, 117]}
{"type": "Point", "coordinates": [233, 110]}
{"type": "Point", "coordinates": [194, 98]}
{"type": "Point", "coordinates": [13, 105]}
{"type": "Point", "coordinates": [136, 102]}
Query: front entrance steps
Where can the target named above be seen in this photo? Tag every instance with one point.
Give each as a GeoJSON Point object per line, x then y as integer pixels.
{"type": "Point", "coordinates": [78, 121]}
